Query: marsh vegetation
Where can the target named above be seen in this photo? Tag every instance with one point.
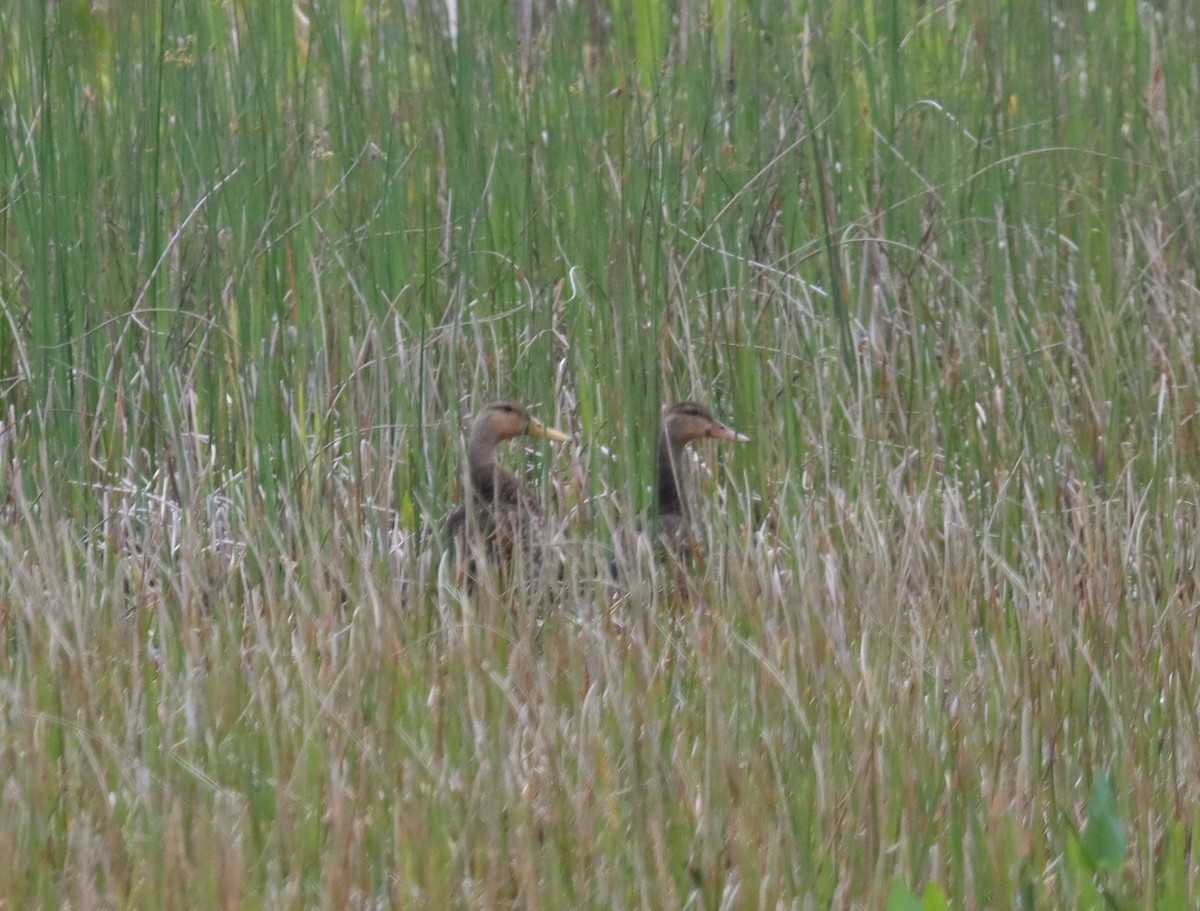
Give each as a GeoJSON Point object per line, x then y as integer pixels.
{"type": "Point", "coordinates": [259, 264]}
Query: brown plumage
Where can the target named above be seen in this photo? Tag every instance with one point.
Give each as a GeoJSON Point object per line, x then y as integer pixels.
{"type": "Point", "coordinates": [499, 509]}
{"type": "Point", "coordinates": [682, 423]}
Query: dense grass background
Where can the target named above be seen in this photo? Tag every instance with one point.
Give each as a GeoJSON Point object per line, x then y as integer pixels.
{"type": "Point", "coordinates": [258, 264]}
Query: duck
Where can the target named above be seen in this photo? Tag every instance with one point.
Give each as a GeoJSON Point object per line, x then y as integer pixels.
{"type": "Point", "coordinates": [682, 424]}
{"type": "Point", "coordinates": [506, 516]}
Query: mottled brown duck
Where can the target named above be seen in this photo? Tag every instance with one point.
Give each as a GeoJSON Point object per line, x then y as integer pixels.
{"type": "Point", "coordinates": [506, 517]}
{"type": "Point", "coordinates": [682, 423]}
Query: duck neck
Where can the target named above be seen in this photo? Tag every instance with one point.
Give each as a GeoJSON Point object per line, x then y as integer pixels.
{"type": "Point", "coordinates": [482, 462]}
{"type": "Point", "coordinates": [670, 490]}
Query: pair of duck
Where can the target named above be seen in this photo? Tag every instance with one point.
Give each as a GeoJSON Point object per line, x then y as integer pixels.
{"type": "Point", "coordinates": [508, 517]}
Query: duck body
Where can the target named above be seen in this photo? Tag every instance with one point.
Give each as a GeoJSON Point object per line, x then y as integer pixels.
{"type": "Point", "coordinates": [682, 424]}
{"type": "Point", "coordinates": [504, 516]}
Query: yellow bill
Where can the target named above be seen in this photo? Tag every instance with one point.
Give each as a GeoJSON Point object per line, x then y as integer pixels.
{"type": "Point", "coordinates": [538, 429]}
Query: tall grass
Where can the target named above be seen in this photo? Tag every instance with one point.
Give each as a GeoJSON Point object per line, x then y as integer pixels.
{"type": "Point", "coordinates": [259, 263]}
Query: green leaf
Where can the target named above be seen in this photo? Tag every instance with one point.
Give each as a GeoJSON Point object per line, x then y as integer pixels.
{"type": "Point", "coordinates": [1103, 836]}
{"type": "Point", "coordinates": [1081, 876]}
{"type": "Point", "coordinates": [901, 898]}
{"type": "Point", "coordinates": [934, 899]}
